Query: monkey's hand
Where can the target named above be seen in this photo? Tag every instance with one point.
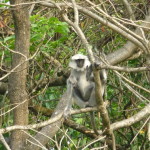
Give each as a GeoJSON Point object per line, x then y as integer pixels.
{"type": "Point", "coordinates": [97, 64]}
{"type": "Point", "coordinates": [72, 81]}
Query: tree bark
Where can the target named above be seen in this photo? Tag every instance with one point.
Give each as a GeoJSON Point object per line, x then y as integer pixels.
{"type": "Point", "coordinates": [17, 80]}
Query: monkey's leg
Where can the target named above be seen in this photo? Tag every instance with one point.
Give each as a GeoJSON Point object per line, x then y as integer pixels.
{"type": "Point", "coordinates": [78, 98]}
{"type": "Point", "coordinates": [80, 101]}
{"type": "Point", "coordinates": [88, 93]}
{"type": "Point", "coordinates": [69, 99]}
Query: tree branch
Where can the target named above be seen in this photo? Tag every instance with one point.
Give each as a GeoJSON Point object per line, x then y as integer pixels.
{"type": "Point", "coordinates": [4, 142]}
{"type": "Point", "coordinates": [129, 9]}
{"type": "Point", "coordinates": [124, 69]}
{"type": "Point", "coordinates": [123, 30]}
{"type": "Point", "coordinates": [99, 98]}
{"type": "Point", "coordinates": [132, 120]}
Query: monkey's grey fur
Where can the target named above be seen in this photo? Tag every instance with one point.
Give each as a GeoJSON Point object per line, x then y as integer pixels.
{"type": "Point", "coordinates": [82, 82]}
{"type": "Point", "coordinates": [81, 85]}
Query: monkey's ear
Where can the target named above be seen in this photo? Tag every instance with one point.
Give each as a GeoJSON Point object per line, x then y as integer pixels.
{"type": "Point", "coordinates": [72, 64]}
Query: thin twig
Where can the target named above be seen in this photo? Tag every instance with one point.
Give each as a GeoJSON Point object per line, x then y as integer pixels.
{"type": "Point", "coordinates": [140, 129]}
{"type": "Point", "coordinates": [4, 142]}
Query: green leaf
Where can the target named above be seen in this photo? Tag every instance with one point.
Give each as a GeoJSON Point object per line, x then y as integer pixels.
{"type": "Point", "coordinates": [9, 38]}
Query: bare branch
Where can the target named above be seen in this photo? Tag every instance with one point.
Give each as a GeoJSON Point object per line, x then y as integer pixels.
{"type": "Point", "coordinates": [81, 35]}
{"type": "Point", "coordinates": [94, 141]}
{"type": "Point", "coordinates": [17, 66]}
{"type": "Point", "coordinates": [80, 128]}
{"type": "Point", "coordinates": [4, 142]}
{"type": "Point", "coordinates": [123, 30]}
{"type": "Point", "coordinates": [134, 119]}
{"type": "Point", "coordinates": [99, 99]}
{"type": "Point", "coordinates": [129, 9]}
{"type": "Point", "coordinates": [148, 119]}
{"type": "Point", "coordinates": [16, 52]}
{"type": "Point", "coordinates": [20, 4]}
{"type": "Point", "coordinates": [39, 125]}
{"type": "Point", "coordinates": [50, 129]}
{"type": "Point", "coordinates": [124, 69]}
{"type": "Point", "coordinates": [120, 26]}
{"type": "Point", "coordinates": [132, 83]}
{"type": "Point", "coordinates": [76, 13]}
{"type": "Point", "coordinates": [120, 124]}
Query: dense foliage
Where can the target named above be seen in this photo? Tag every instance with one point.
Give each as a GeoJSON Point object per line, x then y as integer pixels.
{"type": "Point", "coordinates": [52, 43]}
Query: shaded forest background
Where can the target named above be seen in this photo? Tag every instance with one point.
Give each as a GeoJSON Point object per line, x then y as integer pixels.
{"type": "Point", "coordinates": [37, 39]}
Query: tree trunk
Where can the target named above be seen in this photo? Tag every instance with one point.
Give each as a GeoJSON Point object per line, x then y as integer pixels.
{"type": "Point", "coordinates": [17, 80]}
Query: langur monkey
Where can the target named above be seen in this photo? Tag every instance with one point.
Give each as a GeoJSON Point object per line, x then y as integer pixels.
{"type": "Point", "coordinates": [81, 81]}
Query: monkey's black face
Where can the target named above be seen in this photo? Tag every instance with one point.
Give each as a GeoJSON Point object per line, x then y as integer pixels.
{"type": "Point", "coordinates": [80, 62]}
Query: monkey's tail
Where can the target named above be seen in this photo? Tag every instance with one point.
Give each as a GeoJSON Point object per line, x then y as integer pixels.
{"type": "Point", "coordinates": [93, 123]}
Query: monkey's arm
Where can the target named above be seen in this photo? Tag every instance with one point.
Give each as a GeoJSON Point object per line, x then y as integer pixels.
{"type": "Point", "coordinates": [72, 80]}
